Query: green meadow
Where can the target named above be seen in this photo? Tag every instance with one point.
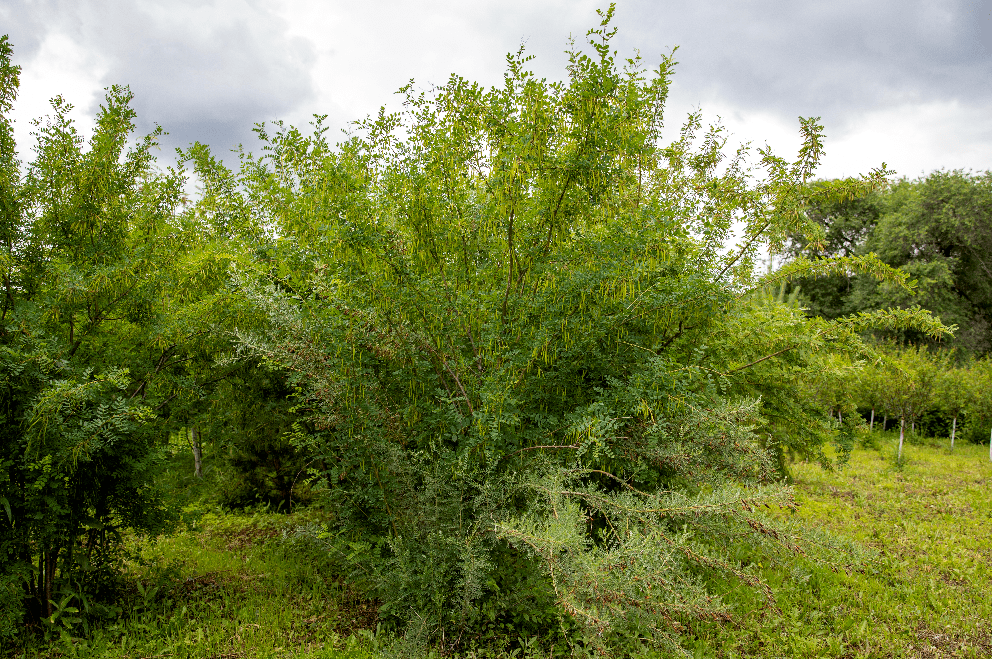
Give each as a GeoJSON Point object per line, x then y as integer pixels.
{"type": "Point", "coordinates": [266, 584]}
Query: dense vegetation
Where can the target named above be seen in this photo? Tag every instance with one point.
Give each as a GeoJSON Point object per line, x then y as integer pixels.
{"type": "Point", "coordinates": [263, 584]}
{"type": "Point", "coordinates": [503, 343]}
{"type": "Point", "coordinates": [937, 230]}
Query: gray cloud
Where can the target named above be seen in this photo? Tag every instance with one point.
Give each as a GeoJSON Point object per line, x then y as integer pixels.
{"type": "Point", "coordinates": [208, 69]}
{"type": "Point", "coordinates": [836, 59]}
{"type": "Point", "coordinates": [203, 70]}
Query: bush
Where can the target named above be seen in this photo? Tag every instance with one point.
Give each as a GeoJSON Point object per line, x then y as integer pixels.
{"type": "Point", "coordinates": [525, 351]}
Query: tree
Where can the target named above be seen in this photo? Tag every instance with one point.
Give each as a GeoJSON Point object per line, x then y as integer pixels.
{"type": "Point", "coordinates": [978, 409]}
{"type": "Point", "coordinates": [102, 272]}
{"type": "Point", "coordinates": [952, 390]}
{"type": "Point", "coordinates": [910, 378]}
{"type": "Point", "coordinates": [844, 225]}
{"type": "Point", "coordinates": [523, 343]}
{"type": "Point", "coordinates": [871, 390]}
{"type": "Point", "coordinates": [938, 230]}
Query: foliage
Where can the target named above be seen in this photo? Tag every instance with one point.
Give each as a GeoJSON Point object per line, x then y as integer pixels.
{"type": "Point", "coordinates": [264, 583]}
{"type": "Point", "coordinates": [103, 285]}
{"type": "Point", "coordinates": [978, 406]}
{"type": "Point", "coordinates": [936, 230]}
{"type": "Point", "coordinates": [267, 582]}
{"type": "Point", "coordinates": [513, 317]}
{"type": "Point", "coordinates": [506, 333]}
{"type": "Point", "coordinates": [251, 419]}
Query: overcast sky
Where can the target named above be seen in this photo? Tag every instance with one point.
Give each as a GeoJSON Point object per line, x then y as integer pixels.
{"type": "Point", "coordinates": [904, 81]}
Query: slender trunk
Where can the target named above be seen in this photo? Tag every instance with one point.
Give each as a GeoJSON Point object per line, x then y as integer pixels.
{"type": "Point", "coordinates": [840, 417]}
{"type": "Point", "coordinates": [885, 423]}
{"type": "Point", "coordinates": [902, 431]}
{"type": "Point", "coordinates": [51, 557]}
{"type": "Point", "coordinates": [954, 427]}
{"type": "Point", "coordinates": [912, 426]}
{"type": "Point", "coordinates": [871, 426]}
{"type": "Point", "coordinates": [194, 441]}
{"type": "Point", "coordinates": [40, 590]}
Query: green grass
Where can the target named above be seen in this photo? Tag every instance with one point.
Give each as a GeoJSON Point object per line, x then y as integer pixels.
{"type": "Point", "coordinates": [263, 585]}
{"type": "Point", "coordinates": [926, 593]}
{"type": "Point", "coordinates": [234, 586]}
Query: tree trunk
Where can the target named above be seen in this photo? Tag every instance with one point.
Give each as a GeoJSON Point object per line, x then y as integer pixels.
{"type": "Point", "coordinates": [194, 442]}
{"type": "Point", "coordinates": [954, 427]}
{"type": "Point", "coordinates": [871, 426]}
{"type": "Point", "coordinates": [840, 417]}
{"type": "Point", "coordinates": [902, 431]}
{"type": "Point", "coordinates": [49, 560]}
{"type": "Point", "coordinates": [885, 423]}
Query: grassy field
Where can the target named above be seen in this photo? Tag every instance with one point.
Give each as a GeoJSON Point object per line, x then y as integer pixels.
{"type": "Point", "coordinates": [265, 585]}
{"type": "Point", "coordinates": [928, 589]}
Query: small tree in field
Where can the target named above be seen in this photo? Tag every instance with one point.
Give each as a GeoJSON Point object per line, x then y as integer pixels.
{"type": "Point", "coordinates": [952, 390]}
{"type": "Point", "coordinates": [978, 409]}
{"type": "Point", "coordinates": [870, 390]}
{"type": "Point", "coordinates": [910, 376]}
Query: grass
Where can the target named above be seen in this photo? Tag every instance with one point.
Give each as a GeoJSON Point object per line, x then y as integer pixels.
{"type": "Point", "coordinates": [925, 592]}
{"type": "Point", "coordinates": [232, 586]}
{"type": "Point", "coordinates": [263, 585]}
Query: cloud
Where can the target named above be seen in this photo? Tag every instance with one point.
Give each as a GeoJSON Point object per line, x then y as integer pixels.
{"type": "Point", "coordinates": [834, 59]}
{"type": "Point", "coordinates": [205, 71]}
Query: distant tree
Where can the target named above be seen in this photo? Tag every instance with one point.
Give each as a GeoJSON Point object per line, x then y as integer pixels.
{"type": "Point", "coordinates": [871, 390]}
{"type": "Point", "coordinates": [952, 390]}
{"type": "Point", "coordinates": [911, 376]}
{"type": "Point", "coordinates": [938, 230]}
{"type": "Point", "coordinates": [978, 409]}
{"type": "Point", "coordinates": [845, 224]}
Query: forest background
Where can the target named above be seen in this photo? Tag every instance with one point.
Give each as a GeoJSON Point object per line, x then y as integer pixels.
{"type": "Point", "coordinates": [505, 341]}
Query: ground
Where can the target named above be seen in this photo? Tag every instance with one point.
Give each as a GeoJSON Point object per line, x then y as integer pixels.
{"type": "Point", "coordinates": [231, 586]}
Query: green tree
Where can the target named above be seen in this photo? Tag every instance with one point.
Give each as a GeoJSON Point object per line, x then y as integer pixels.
{"type": "Point", "coordinates": [978, 409]}
{"type": "Point", "coordinates": [103, 275]}
{"type": "Point", "coordinates": [871, 390]}
{"type": "Point", "coordinates": [952, 390]}
{"type": "Point", "coordinates": [938, 230]}
{"type": "Point", "coordinates": [525, 346]}
{"type": "Point", "coordinates": [843, 224]}
{"type": "Point", "coordinates": [910, 377]}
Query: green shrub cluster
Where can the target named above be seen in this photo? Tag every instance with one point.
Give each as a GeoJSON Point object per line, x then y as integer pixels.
{"type": "Point", "coordinates": [513, 337]}
{"type": "Point", "coordinates": [538, 372]}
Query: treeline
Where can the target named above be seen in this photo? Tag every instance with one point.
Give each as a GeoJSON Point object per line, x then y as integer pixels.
{"type": "Point", "coordinates": [501, 333]}
{"type": "Point", "coordinates": [937, 230]}
{"type": "Point", "coordinates": [915, 390]}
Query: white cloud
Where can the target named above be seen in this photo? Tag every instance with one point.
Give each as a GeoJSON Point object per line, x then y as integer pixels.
{"type": "Point", "coordinates": [60, 66]}
{"type": "Point", "coordinates": [915, 139]}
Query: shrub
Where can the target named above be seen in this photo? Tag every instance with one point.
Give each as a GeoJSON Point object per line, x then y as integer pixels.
{"type": "Point", "coordinates": [527, 347]}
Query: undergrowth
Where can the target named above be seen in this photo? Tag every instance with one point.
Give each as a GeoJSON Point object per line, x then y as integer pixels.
{"type": "Point", "coordinates": [247, 585]}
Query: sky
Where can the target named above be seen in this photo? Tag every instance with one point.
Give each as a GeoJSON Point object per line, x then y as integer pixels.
{"type": "Point", "coordinates": [905, 82]}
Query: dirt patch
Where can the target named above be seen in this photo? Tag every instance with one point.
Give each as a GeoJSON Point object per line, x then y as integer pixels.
{"type": "Point", "coordinates": [933, 644]}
